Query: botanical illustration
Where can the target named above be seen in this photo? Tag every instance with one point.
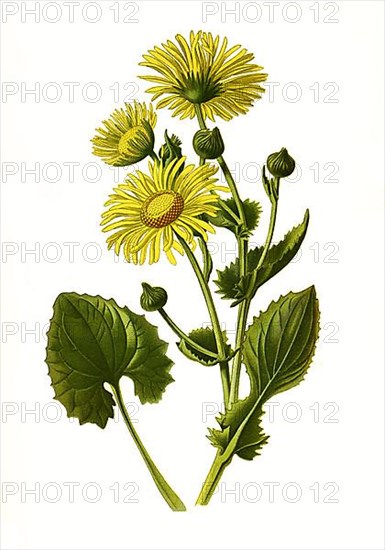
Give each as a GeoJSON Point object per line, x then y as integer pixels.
{"type": "Point", "coordinates": [169, 207]}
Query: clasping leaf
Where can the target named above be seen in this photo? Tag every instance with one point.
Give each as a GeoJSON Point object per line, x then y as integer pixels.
{"type": "Point", "coordinates": [278, 350]}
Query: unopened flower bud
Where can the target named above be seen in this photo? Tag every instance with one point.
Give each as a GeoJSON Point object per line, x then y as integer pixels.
{"type": "Point", "coordinates": [153, 297]}
{"type": "Point", "coordinates": [171, 149]}
{"type": "Point", "coordinates": [208, 144]}
{"type": "Point", "coordinates": [281, 164]}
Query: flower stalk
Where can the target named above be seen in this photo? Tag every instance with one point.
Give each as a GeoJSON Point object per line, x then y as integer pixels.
{"type": "Point", "coordinates": [223, 363]}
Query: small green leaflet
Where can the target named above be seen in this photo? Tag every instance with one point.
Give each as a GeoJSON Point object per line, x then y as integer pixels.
{"type": "Point", "coordinates": [229, 283]}
{"type": "Point", "coordinates": [225, 219]}
{"type": "Point", "coordinates": [92, 341]}
{"type": "Point", "coordinates": [278, 350]}
{"type": "Point", "coordinates": [204, 337]}
{"type": "Point", "coordinates": [233, 287]}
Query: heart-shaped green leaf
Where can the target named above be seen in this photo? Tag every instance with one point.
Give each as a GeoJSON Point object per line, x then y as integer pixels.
{"type": "Point", "coordinates": [92, 341]}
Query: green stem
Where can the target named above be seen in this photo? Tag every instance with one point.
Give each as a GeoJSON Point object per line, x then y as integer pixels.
{"type": "Point", "coordinates": [269, 238]}
{"type": "Point", "coordinates": [184, 336]}
{"type": "Point", "coordinates": [213, 478]}
{"type": "Point", "coordinates": [243, 313]}
{"type": "Point", "coordinates": [154, 156]}
{"type": "Point", "coordinates": [223, 365]}
{"type": "Point", "coordinates": [244, 308]}
{"type": "Point", "coordinates": [233, 188]}
{"type": "Point", "coordinates": [225, 169]}
{"type": "Point", "coordinates": [165, 490]}
{"type": "Point", "coordinates": [202, 125]}
{"type": "Point", "coordinates": [199, 114]}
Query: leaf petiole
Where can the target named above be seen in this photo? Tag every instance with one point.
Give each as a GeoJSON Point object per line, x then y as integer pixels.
{"type": "Point", "coordinates": [184, 336]}
{"type": "Point", "coordinates": [164, 488]}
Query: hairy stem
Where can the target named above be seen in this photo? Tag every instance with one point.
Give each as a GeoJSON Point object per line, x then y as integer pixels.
{"type": "Point", "coordinates": [223, 365]}
{"type": "Point", "coordinates": [164, 488]}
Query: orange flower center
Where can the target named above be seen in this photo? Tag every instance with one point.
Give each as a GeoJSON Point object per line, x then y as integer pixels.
{"type": "Point", "coordinates": [161, 209]}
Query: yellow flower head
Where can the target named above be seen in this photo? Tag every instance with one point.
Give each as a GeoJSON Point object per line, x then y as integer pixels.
{"type": "Point", "coordinates": [127, 136]}
{"type": "Point", "coordinates": [147, 212]}
{"type": "Point", "coordinates": [222, 80]}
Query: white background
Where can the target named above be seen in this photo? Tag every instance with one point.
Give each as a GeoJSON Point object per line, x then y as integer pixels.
{"type": "Point", "coordinates": [347, 370]}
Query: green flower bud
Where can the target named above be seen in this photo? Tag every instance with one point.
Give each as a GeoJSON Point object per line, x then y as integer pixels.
{"type": "Point", "coordinates": [208, 144]}
{"type": "Point", "coordinates": [281, 164]}
{"type": "Point", "coordinates": [153, 297]}
{"type": "Point", "coordinates": [171, 149]}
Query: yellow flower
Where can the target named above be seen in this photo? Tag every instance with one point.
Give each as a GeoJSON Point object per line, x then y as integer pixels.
{"type": "Point", "coordinates": [128, 135]}
{"type": "Point", "coordinates": [148, 212]}
{"type": "Point", "coordinates": [223, 81]}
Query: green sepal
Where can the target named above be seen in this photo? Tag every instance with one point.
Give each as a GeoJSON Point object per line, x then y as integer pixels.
{"type": "Point", "coordinates": [227, 217]}
{"type": "Point", "coordinates": [92, 341]}
{"type": "Point", "coordinates": [205, 337]}
{"type": "Point", "coordinates": [170, 150]}
{"type": "Point", "coordinates": [234, 287]}
{"type": "Point", "coordinates": [278, 350]}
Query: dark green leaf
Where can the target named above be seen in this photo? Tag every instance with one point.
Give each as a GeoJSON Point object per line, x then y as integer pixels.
{"type": "Point", "coordinates": [92, 341]}
{"type": "Point", "coordinates": [278, 350]}
{"type": "Point", "coordinates": [280, 343]}
{"type": "Point", "coordinates": [229, 283]}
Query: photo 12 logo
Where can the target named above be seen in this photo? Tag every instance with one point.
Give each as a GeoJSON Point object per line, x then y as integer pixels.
{"type": "Point", "coordinates": [270, 12]}
{"type": "Point", "coordinates": [69, 12]}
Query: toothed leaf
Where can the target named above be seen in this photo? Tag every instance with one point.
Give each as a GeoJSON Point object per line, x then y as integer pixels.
{"type": "Point", "coordinates": [252, 437]}
{"type": "Point", "coordinates": [229, 282]}
{"type": "Point", "coordinates": [278, 350]}
{"type": "Point", "coordinates": [281, 254]}
{"type": "Point", "coordinates": [234, 287]}
{"type": "Point", "coordinates": [92, 341]}
{"type": "Point", "coordinates": [280, 343]}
